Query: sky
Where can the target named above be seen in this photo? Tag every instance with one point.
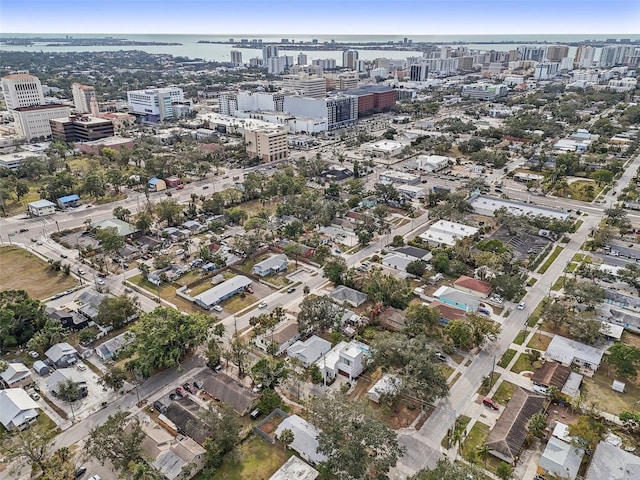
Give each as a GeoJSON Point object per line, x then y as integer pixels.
{"type": "Point", "coordinates": [322, 17]}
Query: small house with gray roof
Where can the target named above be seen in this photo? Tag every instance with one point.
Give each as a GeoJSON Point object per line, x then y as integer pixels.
{"type": "Point", "coordinates": [62, 355]}
{"type": "Point", "coordinates": [571, 353]}
{"type": "Point", "coordinates": [355, 298]}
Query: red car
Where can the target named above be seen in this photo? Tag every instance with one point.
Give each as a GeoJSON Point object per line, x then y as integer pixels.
{"type": "Point", "coordinates": [180, 391]}
{"type": "Point", "coordinates": [491, 403]}
{"type": "Point", "coordinates": [180, 187]}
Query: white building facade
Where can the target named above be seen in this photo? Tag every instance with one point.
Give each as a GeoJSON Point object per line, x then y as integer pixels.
{"type": "Point", "coordinates": [155, 104]}
{"type": "Point", "coordinates": [22, 90]}
{"type": "Point", "coordinates": [33, 122]}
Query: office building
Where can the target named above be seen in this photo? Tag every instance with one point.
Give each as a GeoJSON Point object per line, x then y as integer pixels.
{"type": "Point", "coordinates": [33, 122]}
{"type": "Point", "coordinates": [83, 96]}
{"type": "Point", "coordinates": [22, 90]}
{"type": "Point", "coordinates": [339, 110]}
{"type": "Point", "coordinates": [267, 144]}
{"type": "Point", "coordinates": [155, 104]}
{"type": "Point", "coordinates": [306, 85]}
{"type": "Point", "coordinates": [268, 52]}
{"type": "Point", "coordinates": [374, 99]}
{"type": "Point", "coordinates": [308, 69]}
{"type": "Point", "coordinates": [236, 57]}
{"type": "Point", "coordinates": [584, 56]}
{"type": "Point", "coordinates": [80, 128]}
{"type": "Point", "coordinates": [347, 80]}
{"type": "Point", "coordinates": [465, 64]}
{"type": "Point", "coordinates": [418, 72]}
{"type": "Point", "coordinates": [302, 59]}
{"type": "Point", "coordinates": [484, 91]}
{"type": "Point", "coordinates": [555, 53]}
{"type": "Point", "coordinates": [530, 52]}
{"type": "Point", "coordinates": [350, 59]}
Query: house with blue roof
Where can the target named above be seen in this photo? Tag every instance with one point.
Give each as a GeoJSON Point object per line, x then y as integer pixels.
{"type": "Point", "coordinates": [156, 185]}
{"type": "Point", "coordinates": [68, 201]}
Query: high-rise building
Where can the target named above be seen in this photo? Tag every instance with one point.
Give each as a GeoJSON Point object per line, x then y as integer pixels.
{"type": "Point", "coordinates": [269, 144]}
{"type": "Point", "coordinates": [612, 55]}
{"type": "Point", "coordinates": [302, 59]}
{"type": "Point", "coordinates": [529, 52]}
{"type": "Point", "coordinates": [22, 90]}
{"type": "Point", "coordinates": [276, 65]}
{"type": "Point", "coordinates": [584, 56]}
{"type": "Point", "coordinates": [268, 52]}
{"type": "Point", "coordinates": [33, 122]}
{"type": "Point", "coordinates": [82, 97]}
{"type": "Point", "coordinates": [155, 104]}
{"type": "Point", "coordinates": [308, 69]}
{"type": "Point", "coordinates": [325, 63]}
{"type": "Point", "coordinates": [307, 85]}
{"type": "Point", "coordinates": [555, 53]}
{"type": "Point", "coordinates": [350, 59]}
{"type": "Point", "coordinates": [339, 110]}
{"type": "Point", "coordinates": [236, 57]}
{"type": "Point", "coordinates": [418, 72]}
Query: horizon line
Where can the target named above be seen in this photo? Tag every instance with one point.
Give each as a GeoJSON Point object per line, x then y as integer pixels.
{"type": "Point", "coordinates": [323, 34]}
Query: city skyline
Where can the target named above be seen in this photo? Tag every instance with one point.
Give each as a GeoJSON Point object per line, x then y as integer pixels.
{"type": "Point", "coordinates": [295, 17]}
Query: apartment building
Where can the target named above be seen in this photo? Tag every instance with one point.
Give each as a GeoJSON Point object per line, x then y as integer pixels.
{"type": "Point", "coordinates": [350, 59]}
{"type": "Point", "coordinates": [22, 90]}
{"type": "Point", "coordinates": [267, 144]}
{"type": "Point", "coordinates": [33, 122]}
{"type": "Point", "coordinates": [556, 53]}
{"type": "Point", "coordinates": [339, 110]}
{"type": "Point", "coordinates": [83, 96]}
{"type": "Point", "coordinates": [584, 56]}
{"type": "Point", "coordinates": [306, 85]}
{"type": "Point", "coordinates": [236, 57]}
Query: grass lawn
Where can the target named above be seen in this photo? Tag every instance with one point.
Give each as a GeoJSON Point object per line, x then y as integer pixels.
{"type": "Point", "coordinates": [571, 267]}
{"type": "Point", "coordinates": [445, 369]}
{"type": "Point", "coordinates": [599, 391]}
{"type": "Point", "coordinates": [552, 258]}
{"type": "Point", "coordinates": [504, 392]}
{"type": "Point", "coordinates": [539, 342]}
{"type": "Point", "coordinates": [238, 302]}
{"type": "Point", "coordinates": [532, 281]}
{"type": "Point", "coordinates": [14, 207]}
{"type": "Point", "coordinates": [190, 277]}
{"type": "Point", "coordinates": [523, 364]}
{"type": "Point", "coordinates": [578, 257]}
{"type": "Point", "coordinates": [475, 438]}
{"type": "Point", "coordinates": [483, 391]}
{"type": "Point", "coordinates": [536, 314]}
{"type": "Point", "coordinates": [22, 270]}
{"type": "Point", "coordinates": [559, 283]}
{"type": "Point", "coordinates": [519, 338]}
{"type": "Point", "coordinates": [255, 459]}
{"type": "Point", "coordinates": [167, 291]}
{"type": "Point", "coordinates": [198, 289]}
{"type": "Point", "coordinates": [506, 358]}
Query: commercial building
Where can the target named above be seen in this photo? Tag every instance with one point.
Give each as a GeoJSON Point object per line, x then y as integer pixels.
{"type": "Point", "coordinates": [555, 53]}
{"type": "Point", "coordinates": [267, 144]}
{"type": "Point", "coordinates": [305, 85]}
{"type": "Point", "coordinates": [383, 149]}
{"type": "Point", "coordinates": [339, 110]}
{"type": "Point", "coordinates": [80, 128]}
{"type": "Point", "coordinates": [308, 69]}
{"type": "Point", "coordinates": [96, 146]}
{"type": "Point", "coordinates": [221, 292]}
{"type": "Point", "coordinates": [83, 97]}
{"type": "Point", "coordinates": [33, 122]}
{"type": "Point", "coordinates": [481, 91]}
{"type": "Point", "coordinates": [418, 72]}
{"type": "Point", "coordinates": [393, 176]}
{"type": "Point", "coordinates": [13, 160]}
{"type": "Point", "coordinates": [447, 233]}
{"type": "Point", "coordinates": [155, 104]}
{"type": "Point", "coordinates": [347, 80]}
{"type": "Point", "coordinates": [22, 90]}
{"type": "Point", "coordinates": [68, 201]}
{"type": "Point", "coordinates": [431, 163]}
{"type": "Point", "coordinates": [486, 205]}
{"type": "Point", "coordinates": [374, 99]}
{"type": "Point", "coordinates": [40, 208]}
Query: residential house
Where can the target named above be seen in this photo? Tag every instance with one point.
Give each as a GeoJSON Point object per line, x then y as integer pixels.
{"type": "Point", "coordinates": [309, 351]}
{"type": "Point", "coordinates": [387, 385]}
{"type": "Point", "coordinates": [64, 375]}
{"type": "Point", "coordinates": [271, 265]}
{"type": "Point", "coordinates": [193, 226]}
{"type": "Point", "coordinates": [69, 201]}
{"type": "Point", "coordinates": [16, 375]}
{"type": "Point", "coordinates": [448, 313]}
{"type": "Point", "coordinates": [342, 294]}
{"type": "Point", "coordinates": [507, 437]}
{"type": "Point", "coordinates": [70, 320]}
{"type": "Point", "coordinates": [184, 416]}
{"type": "Point", "coordinates": [123, 228]}
{"type": "Point", "coordinates": [283, 336]}
{"type": "Point", "coordinates": [346, 358]}
{"type": "Point", "coordinates": [175, 458]}
{"type": "Point", "coordinates": [473, 286]}
{"type": "Point", "coordinates": [613, 463]}
{"type": "Point", "coordinates": [176, 234]}
{"type": "Point", "coordinates": [90, 301]}
{"type": "Point", "coordinates": [223, 291]}
{"type": "Point", "coordinates": [305, 438]}
{"type": "Point", "coordinates": [457, 299]}
{"type": "Point", "coordinates": [62, 355]}
{"type": "Point", "coordinates": [295, 468]}
{"type": "Point", "coordinates": [571, 353]}
{"type": "Point", "coordinates": [107, 350]}
{"type": "Point", "coordinates": [229, 391]}
{"type": "Point", "coordinates": [560, 460]}
{"type": "Point", "coordinates": [17, 409]}
{"type": "Point", "coordinates": [129, 252]}
{"type": "Point", "coordinates": [571, 387]}
{"type": "Point", "coordinates": [413, 253]}
{"type": "Point", "coordinates": [551, 374]}
{"type": "Point", "coordinates": [396, 262]}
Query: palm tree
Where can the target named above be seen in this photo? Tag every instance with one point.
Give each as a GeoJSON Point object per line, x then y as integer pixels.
{"type": "Point", "coordinates": [483, 451]}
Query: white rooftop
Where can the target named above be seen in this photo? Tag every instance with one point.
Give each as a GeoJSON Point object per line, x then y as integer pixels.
{"type": "Point", "coordinates": [564, 350]}
{"type": "Point", "coordinates": [484, 203]}
{"type": "Point", "coordinates": [295, 469]}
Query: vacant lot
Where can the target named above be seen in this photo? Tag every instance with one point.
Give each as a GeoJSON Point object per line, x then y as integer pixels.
{"type": "Point", "coordinates": [22, 270]}
{"type": "Point", "coordinates": [599, 391]}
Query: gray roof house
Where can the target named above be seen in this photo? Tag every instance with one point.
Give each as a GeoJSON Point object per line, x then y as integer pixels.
{"type": "Point", "coordinates": [355, 298]}
{"type": "Point", "coordinates": [221, 292]}
{"type": "Point", "coordinates": [228, 390]}
{"type": "Point", "coordinates": [612, 463]}
{"type": "Point", "coordinates": [310, 350]}
{"type": "Point", "coordinates": [90, 300]}
{"type": "Point", "coordinates": [397, 262]}
{"type": "Point", "coordinates": [569, 352]}
{"type": "Point", "coordinates": [108, 349]}
{"type": "Point", "coordinates": [297, 469]}
{"type": "Point", "coordinates": [62, 355]}
{"type": "Point", "coordinates": [17, 409]}
{"type": "Point", "coordinates": [414, 253]}
{"type": "Point", "coordinates": [561, 459]}
{"type": "Point", "coordinates": [274, 264]}
{"type": "Point", "coordinates": [305, 438]}
{"type": "Point", "coordinates": [16, 375]}
{"type": "Point", "coordinates": [63, 375]}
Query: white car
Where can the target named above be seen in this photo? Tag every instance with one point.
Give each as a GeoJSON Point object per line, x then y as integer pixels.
{"type": "Point", "coordinates": [217, 308]}
{"type": "Point", "coordinates": [179, 252]}
{"type": "Point", "coordinates": [34, 354]}
{"type": "Point", "coordinates": [81, 367]}
{"type": "Point", "coordinates": [521, 306]}
{"type": "Point", "coordinates": [100, 281]}
{"type": "Point", "coordinates": [262, 305]}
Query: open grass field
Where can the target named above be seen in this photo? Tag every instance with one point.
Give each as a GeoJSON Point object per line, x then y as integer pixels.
{"type": "Point", "coordinates": [22, 270]}
{"type": "Point", "coordinates": [504, 392]}
{"type": "Point", "coordinates": [476, 437]}
{"type": "Point", "coordinates": [539, 341]}
{"type": "Point", "coordinates": [524, 364]}
{"type": "Point", "coordinates": [599, 391]}
{"type": "Point", "coordinates": [255, 459]}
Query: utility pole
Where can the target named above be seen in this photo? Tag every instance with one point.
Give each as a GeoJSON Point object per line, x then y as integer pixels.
{"type": "Point", "coordinates": [493, 368]}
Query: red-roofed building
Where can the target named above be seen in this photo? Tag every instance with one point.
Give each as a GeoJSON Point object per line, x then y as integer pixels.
{"type": "Point", "coordinates": [447, 312]}
{"type": "Point", "coordinates": [473, 286]}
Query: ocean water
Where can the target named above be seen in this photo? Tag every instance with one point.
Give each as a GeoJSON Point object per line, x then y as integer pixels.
{"type": "Point", "coordinates": [221, 52]}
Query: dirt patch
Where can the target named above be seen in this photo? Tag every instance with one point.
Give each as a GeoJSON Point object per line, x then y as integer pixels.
{"type": "Point", "coordinates": [268, 427]}
{"type": "Point", "coordinates": [560, 413]}
{"type": "Point", "coordinates": [22, 270]}
{"type": "Point", "coordinates": [629, 338]}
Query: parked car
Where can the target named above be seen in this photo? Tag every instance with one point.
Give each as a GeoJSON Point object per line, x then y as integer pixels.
{"type": "Point", "coordinates": [198, 384]}
{"type": "Point", "coordinates": [63, 255]}
{"type": "Point", "coordinates": [22, 230]}
{"type": "Point", "coordinates": [95, 477]}
{"type": "Point", "coordinates": [521, 306]}
{"type": "Point", "coordinates": [81, 272]}
{"type": "Point", "coordinates": [217, 308]}
{"type": "Point", "coordinates": [262, 305]}
{"type": "Point", "coordinates": [34, 354]}
{"type": "Point", "coordinates": [440, 356]}
{"type": "Point", "coordinates": [80, 472]}
{"type": "Point", "coordinates": [181, 392]}
{"type": "Point", "coordinates": [102, 275]}
{"type": "Point", "coordinates": [291, 289]}
{"type": "Point", "coordinates": [128, 290]}
{"type": "Point", "coordinates": [491, 403]}
{"type": "Point", "coordinates": [100, 281]}
{"type": "Point", "coordinates": [159, 406]}
{"type": "Point", "coordinates": [255, 414]}
{"type": "Point", "coordinates": [34, 395]}
{"type": "Point", "coordinates": [206, 187]}
{"type": "Point", "coordinates": [187, 386]}
{"type": "Point", "coordinates": [82, 367]}
{"type": "Point", "coordinates": [180, 187]}
{"type": "Point", "coordinates": [249, 289]}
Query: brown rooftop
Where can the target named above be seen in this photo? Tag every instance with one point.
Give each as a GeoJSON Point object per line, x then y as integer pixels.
{"type": "Point", "coordinates": [473, 284]}
{"type": "Point", "coordinates": [551, 374]}
{"type": "Point", "coordinates": [448, 312]}
{"type": "Point", "coordinates": [19, 76]}
{"type": "Point", "coordinates": [510, 431]}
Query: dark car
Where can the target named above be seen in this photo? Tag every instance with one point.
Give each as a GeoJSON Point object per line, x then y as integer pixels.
{"type": "Point", "coordinates": [102, 275]}
{"type": "Point", "coordinates": [187, 386]}
{"type": "Point", "coordinates": [159, 406]}
{"type": "Point", "coordinates": [80, 472]}
{"type": "Point", "coordinates": [181, 392]}
{"type": "Point", "coordinates": [291, 290]}
{"type": "Point", "coordinates": [22, 230]}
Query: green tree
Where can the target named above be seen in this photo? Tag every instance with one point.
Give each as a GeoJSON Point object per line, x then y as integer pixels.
{"type": "Point", "coordinates": [144, 222]}
{"type": "Point", "coordinates": [169, 211]}
{"type": "Point", "coordinates": [537, 424]}
{"type": "Point", "coordinates": [162, 338]}
{"type": "Point", "coordinates": [356, 444]}
{"type": "Point", "coordinates": [504, 471]}
{"type": "Point", "coordinates": [222, 429]}
{"type": "Point", "coordinates": [21, 188]}
{"type": "Point", "coordinates": [630, 274]}
{"type": "Point", "coordinates": [110, 240]}
{"type": "Point", "coordinates": [420, 319]}
{"type": "Point", "coordinates": [117, 440]}
{"type": "Point", "coordinates": [586, 329]}
{"type": "Point", "coordinates": [416, 267]}
{"type": "Point", "coordinates": [445, 470]}
{"type": "Point", "coordinates": [32, 445]}
{"type": "Point", "coordinates": [316, 315]}
{"type": "Point", "coordinates": [94, 186]}
{"type": "Point", "coordinates": [626, 359]}
{"type": "Point", "coordinates": [557, 313]}
{"type": "Point", "coordinates": [52, 332]}
{"type": "Point", "coordinates": [269, 372]}
{"type": "Point", "coordinates": [587, 431]}
{"type": "Point", "coordinates": [239, 354]}
{"type": "Point", "coordinates": [584, 292]}
{"type": "Point", "coordinates": [141, 470]}
{"type": "Point", "coordinates": [121, 213]}
{"type": "Point", "coordinates": [114, 378]}
{"type": "Point", "coordinates": [286, 437]}
{"type": "Point", "coordinates": [334, 269]}
{"type": "Point", "coordinates": [20, 318]}
{"type": "Point", "coordinates": [116, 311]}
